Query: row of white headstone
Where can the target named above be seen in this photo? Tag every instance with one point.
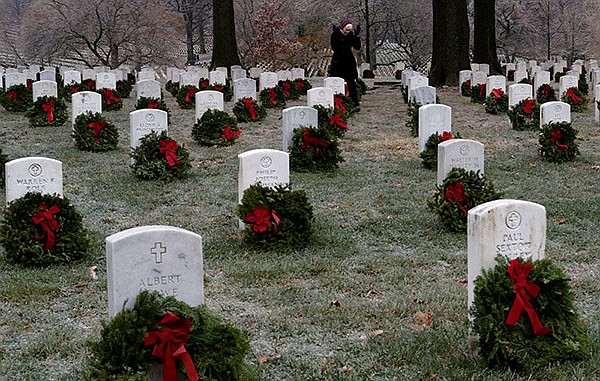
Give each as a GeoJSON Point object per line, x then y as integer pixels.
{"type": "Point", "coordinates": [193, 74]}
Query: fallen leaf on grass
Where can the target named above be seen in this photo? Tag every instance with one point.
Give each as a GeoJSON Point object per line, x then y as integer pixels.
{"type": "Point", "coordinates": [559, 220]}
{"type": "Point", "coordinates": [463, 281]}
{"type": "Point", "coordinates": [377, 332]}
{"type": "Point", "coordinates": [265, 359]}
{"type": "Point", "coordinates": [531, 165]}
{"type": "Point", "coordinates": [93, 270]}
{"type": "Point", "coordinates": [423, 320]}
{"type": "Point", "coordinates": [336, 303]}
{"type": "Point", "coordinates": [415, 302]}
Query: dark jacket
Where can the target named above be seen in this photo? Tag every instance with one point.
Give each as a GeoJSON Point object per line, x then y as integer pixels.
{"type": "Point", "coordinates": [343, 63]}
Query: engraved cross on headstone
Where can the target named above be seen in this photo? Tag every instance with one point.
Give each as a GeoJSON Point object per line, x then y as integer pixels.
{"type": "Point", "coordinates": [158, 250]}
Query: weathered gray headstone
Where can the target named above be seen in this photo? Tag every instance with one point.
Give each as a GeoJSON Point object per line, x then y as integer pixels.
{"type": "Point", "coordinates": [148, 89]}
{"type": "Point", "coordinates": [44, 89]}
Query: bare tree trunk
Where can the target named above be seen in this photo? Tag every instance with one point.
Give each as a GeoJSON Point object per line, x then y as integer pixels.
{"type": "Point", "coordinates": [450, 52]}
{"type": "Point", "coordinates": [225, 51]}
{"type": "Point", "coordinates": [484, 34]}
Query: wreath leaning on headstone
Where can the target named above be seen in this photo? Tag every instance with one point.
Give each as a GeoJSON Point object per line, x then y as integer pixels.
{"type": "Point", "coordinates": [124, 88]}
{"type": "Point", "coordinates": [413, 118]}
{"type": "Point", "coordinates": [557, 140]}
{"type": "Point", "coordinates": [525, 316]}
{"type": "Point", "coordinates": [153, 103]}
{"type": "Point", "coordinates": [172, 87]}
{"type": "Point", "coordinates": [186, 97]}
{"type": "Point", "coordinates": [576, 98]}
{"type": "Point", "coordinates": [430, 153]}
{"type": "Point", "coordinates": [460, 191]}
{"type": "Point", "coordinates": [110, 100]}
{"type": "Point", "coordinates": [17, 98]}
{"type": "Point", "coordinates": [478, 93]}
{"type": "Point", "coordinates": [314, 149]}
{"type": "Point", "coordinates": [216, 128]}
{"type": "Point", "coordinates": [93, 132]}
{"type": "Point", "coordinates": [41, 229]}
{"type": "Point", "coordinates": [290, 90]}
{"type": "Point", "coordinates": [248, 110]}
{"type": "Point", "coordinates": [47, 111]}
{"type": "Point", "coordinates": [344, 105]}
{"type": "Point", "coordinates": [186, 340]}
{"type": "Point", "coordinates": [497, 102]}
{"type": "Point", "coordinates": [545, 93]}
{"type": "Point", "coordinates": [160, 158]}
{"type": "Point", "coordinates": [525, 115]}
{"type": "Point", "coordinates": [465, 88]}
{"type": "Point", "coordinates": [302, 85]}
{"type": "Point", "coordinates": [276, 218]}
{"type": "Point", "coordinates": [272, 97]}
{"type": "Point", "coordinates": [225, 89]}
{"type": "Point", "coordinates": [331, 120]}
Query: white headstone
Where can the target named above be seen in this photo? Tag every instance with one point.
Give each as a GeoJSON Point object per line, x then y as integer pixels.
{"type": "Point", "coordinates": [119, 74]}
{"type": "Point", "coordinates": [33, 174]}
{"type": "Point", "coordinates": [464, 76]}
{"type": "Point", "coordinates": [322, 96]}
{"type": "Point", "coordinates": [520, 75]}
{"type": "Point", "coordinates": [541, 78]}
{"type": "Point", "coordinates": [484, 68]}
{"type": "Point", "coordinates": [218, 77]}
{"type": "Point", "coordinates": [295, 117]}
{"type": "Point", "coordinates": [337, 84]}
{"type": "Point", "coordinates": [297, 73]}
{"type": "Point", "coordinates": [423, 95]}
{"type": "Point", "coordinates": [406, 75]}
{"type": "Point", "coordinates": [417, 81]}
{"type": "Point", "coordinates": [268, 79]}
{"type": "Point", "coordinates": [284, 75]}
{"type": "Point", "coordinates": [433, 119]}
{"type": "Point", "coordinates": [268, 166]}
{"type": "Point", "coordinates": [157, 258]}
{"type": "Point", "coordinates": [478, 78]}
{"type": "Point", "coordinates": [146, 75]}
{"type": "Point", "coordinates": [13, 79]}
{"type": "Point", "coordinates": [106, 80]}
{"type": "Point", "coordinates": [459, 153]}
{"type": "Point", "coordinates": [495, 82]}
{"type": "Point", "coordinates": [144, 121]}
{"type": "Point", "coordinates": [148, 89]}
{"type": "Point", "coordinates": [255, 72]}
{"type": "Point", "coordinates": [244, 88]}
{"type": "Point", "coordinates": [88, 74]}
{"type": "Point", "coordinates": [475, 67]}
{"type": "Point", "coordinates": [522, 66]}
{"type": "Point", "coordinates": [511, 228]}
{"type": "Point", "coordinates": [85, 101]}
{"type": "Point", "coordinates": [519, 92]}
{"type": "Point", "coordinates": [566, 82]}
{"type": "Point", "coordinates": [556, 111]}
{"type": "Point", "coordinates": [189, 78]}
{"type": "Point", "coordinates": [48, 75]}
{"type": "Point", "coordinates": [202, 72]}
{"type": "Point", "coordinates": [237, 74]}
{"type": "Point", "coordinates": [208, 99]}
{"type": "Point", "coordinates": [71, 77]}
{"type": "Point", "coordinates": [44, 89]}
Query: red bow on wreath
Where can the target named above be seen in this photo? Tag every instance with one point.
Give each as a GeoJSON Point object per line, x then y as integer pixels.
{"type": "Point", "coordinates": [96, 127]}
{"type": "Point", "coordinates": [571, 94]}
{"type": "Point", "coordinates": [152, 104]}
{"type": "Point", "coordinates": [273, 96]}
{"type": "Point", "coordinates": [310, 141]}
{"type": "Point", "coordinates": [262, 218]}
{"type": "Point", "coordinates": [468, 83]}
{"type": "Point", "coordinates": [230, 135]}
{"type": "Point", "coordinates": [204, 84]}
{"type": "Point", "coordinates": [169, 344]}
{"type": "Point", "coordinates": [73, 89]}
{"type": "Point", "coordinates": [446, 136]}
{"type": "Point", "coordinates": [456, 192]}
{"type": "Point", "coordinates": [337, 119]}
{"type": "Point", "coordinates": [190, 94]}
{"type": "Point", "coordinates": [339, 103]}
{"type": "Point", "coordinates": [169, 147]}
{"type": "Point", "coordinates": [481, 90]}
{"type": "Point", "coordinates": [48, 107]}
{"type": "Point", "coordinates": [300, 84]}
{"type": "Point", "coordinates": [497, 93]}
{"type": "Point", "coordinates": [12, 95]}
{"type": "Point", "coordinates": [45, 218]}
{"type": "Point", "coordinates": [218, 88]}
{"type": "Point", "coordinates": [110, 96]}
{"type": "Point", "coordinates": [528, 106]}
{"type": "Point", "coordinates": [545, 89]}
{"type": "Point", "coordinates": [249, 103]}
{"type": "Point", "coordinates": [555, 139]}
{"type": "Point", "coordinates": [286, 88]}
{"type": "Point", "coordinates": [524, 291]}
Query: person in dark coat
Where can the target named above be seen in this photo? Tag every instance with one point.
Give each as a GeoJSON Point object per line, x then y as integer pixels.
{"type": "Point", "coordinates": [343, 63]}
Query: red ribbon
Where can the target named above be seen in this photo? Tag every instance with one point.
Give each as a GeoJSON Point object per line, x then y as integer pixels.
{"type": "Point", "coordinates": [545, 89]}
{"type": "Point", "coordinates": [110, 96]}
{"type": "Point", "coordinates": [528, 106]}
{"type": "Point", "coordinates": [190, 94]}
{"type": "Point", "coordinates": [48, 107]}
{"type": "Point", "coordinates": [273, 95]}
{"type": "Point", "coordinates": [556, 138]}
{"type": "Point", "coordinates": [249, 103]}
{"type": "Point", "coordinates": [571, 94]}
{"type": "Point", "coordinates": [12, 95]}
{"type": "Point", "coordinates": [446, 136]}
{"type": "Point", "coordinates": [468, 82]}
{"type": "Point", "coordinates": [310, 141]}
{"type": "Point", "coordinates": [73, 89]}
{"type": "Point", "coordinates": [152, 104]}
{"type": "Point", "coordinates": [337, 119]}
{"type": "Point", "coordinates": [456, 192]}
{"type": "Point", "coordinates": [481, 90]}
{"type": "Point", "coordinates": [262, 218]}
{"type": "Point", "coordinates": [229, 134]}
{"type": "Point", "coordinates": [45, 218]}
{"type": "Point", "coordinates": [169, 344]}
{"type": "Point", "coordinates": [29, 84]}
{"type": "Point", "coordinates": [339, 103]}
{"type": "Point", "coordinates": [300, 84]}
{"type": "Point", "coordinates": [204, 84]}
{"type": "Point", "coordinates": [90, 84]}
{"type": "Point", "coordinates": [524, 292]}
{"type": "Point", "coordinates": [286, 88]}
{"type": "Point", "coordinates": [96, 127]}
{"type": "Point", "coordinates": [218, 88]}
{"type": "Point", "coordinates": [169, 147]}
{"type": "Point", "coordinates": [497, 93]}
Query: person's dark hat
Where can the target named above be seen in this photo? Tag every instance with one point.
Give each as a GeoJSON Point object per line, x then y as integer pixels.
{"type": "Point", "coordinates": [344, 22]}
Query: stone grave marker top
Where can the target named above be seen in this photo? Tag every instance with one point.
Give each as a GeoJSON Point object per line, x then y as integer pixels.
{"type": "Point", "coordinates": [33, 174]}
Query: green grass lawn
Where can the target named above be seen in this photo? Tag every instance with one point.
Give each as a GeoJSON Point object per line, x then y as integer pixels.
{"type": "Point", "coordinates": [379, 295]}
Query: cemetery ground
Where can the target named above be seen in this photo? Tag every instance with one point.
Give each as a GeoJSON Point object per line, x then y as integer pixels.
{"type": "Point", "coordinates": [379, 295]}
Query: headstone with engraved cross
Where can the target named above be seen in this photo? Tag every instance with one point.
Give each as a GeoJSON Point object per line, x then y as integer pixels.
{"type": "Point", "coordinates": [158, 258]}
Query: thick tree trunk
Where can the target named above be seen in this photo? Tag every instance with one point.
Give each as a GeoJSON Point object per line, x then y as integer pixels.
{"type": "Point", "coordinates": [484, 35]}
{"type": "Point", "coordinates": [189, 34]}
{"type": "Point", "coordinates": [225, 51]}
{"type": "Point", "coordinates": [450, 41]}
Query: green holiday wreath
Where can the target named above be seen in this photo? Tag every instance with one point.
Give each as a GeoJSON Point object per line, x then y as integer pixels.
{"type": "Point", "coordinates": [128, 346]}
{"type": "Point", "coordinates": [460, 191]}
{"type": "Point", "coordinates": [41, 229]}
{"type": "Point", "coordinates": [344, 105]}
{"type": "Point", "coordinates": [497, 102]}
{"type": "Point", "coordinates": [88, 85]}
{"type": "Point", "coordinates": [160, 158]}
{"type": "Point", "coordinates": [216, 128]}
{"type": "Point", "coordinates": [583, 85]}
{"type": "Point", "coordinates": [430, 153]}
{"type": "Point", "coordinates": [247, 110]}
{"type": "Point", "coordinates": [302, 85]}
{"type": "Point", "coordinates": [272, 97]}
{"type": "Point", "coordinates": [110, 100]}
{"type": "Point", "coordinates": [331, 120]}
{"type": "Point", "coordinates": [465, 88]}
{"type": "Point", "coordinates": [186, 97]}
{"type": "Point", "coordinates": [65, 92]}
{"type": "Point", "coordinates": [413, 118]}
{"type": "Point", "coordinates": [478, 93]}
{"type": "Point", "coordinates": [314, 149]}
{"type": "Point", "coordinates": [47, 111]}
{"type": "Point", "coordinates": [525, 115]}
{"type": "Point", "coordinates": [17, 98]}
{"type": "Point", "coordinates": [545, 93]}
{"type": "Point", "coordinates": [276, 218]}
{"type": "Point", "coordinates": [576, 98]}
{"type": "Point", "coordinates": [172, 87]}
{"type": "Point", "coordinates": [124, 89]}
{"type": "Point", "coordinates": [154, 103]}
{"type": "Point", "coordinates": [93, 132]}
{"type": "Point", "coordinates": [290, 90]}
{"type": "Point", "coordinates": [557, 140]}
{"type": "Point", "coordinates": [204, 84]}
{"type": "Point", "coordinates": [512, 295]}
